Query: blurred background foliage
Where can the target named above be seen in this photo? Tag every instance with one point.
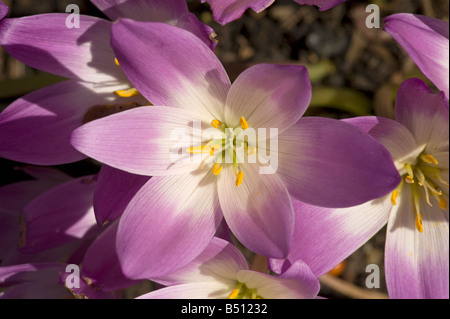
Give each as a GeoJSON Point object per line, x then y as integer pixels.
{"type": "Point", "coordinates": [354, 70]}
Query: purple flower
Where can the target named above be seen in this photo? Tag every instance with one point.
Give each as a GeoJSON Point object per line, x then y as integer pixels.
{"type": "Point", "coordinates": [225, 11]}
{"type": "Point", "coordinates": [416, 213]}
{"type": "Point", "coordinates": [221, 271]}
{"type": "Point", "coordinates": [35, 129]}
{"type": "Point", "coordinates": [426, 41]}
{"type": "Point", "coordinates": [3, 10]}
{"type": "Point", "coordinates": [176, 213]}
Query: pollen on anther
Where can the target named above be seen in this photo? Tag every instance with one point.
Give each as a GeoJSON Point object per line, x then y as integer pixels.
{"type": "Point", "coordinates": [394, 197]}
{"type": "Point", "coordinates": [244, 123]}
{"type": "Point", "coordinates": [240, 178]}
{"type": "Point", "coordinates": [116, 61]}
{"type": "Point", "coordinates": [217, 169]}
{"type": "Point", "coordinates": [442, 203]}
{"type": "Point", "coordinates": [234, 294]}
{"type": "Point", "coordinates": [127, 93]}
{"type": "Point", "coordinates": [216, 123]}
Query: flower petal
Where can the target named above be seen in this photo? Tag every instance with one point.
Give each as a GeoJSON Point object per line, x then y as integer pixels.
{"type": "Point", "coordinates": [259, 212]}
{"type": "Point", "coordinates": [269, 96]}
{"type": "Point", "coordinates": [3, 10]}
{"type": "Point", "coordinates": [45, 42]}
{"type": "Point", "coordinates": [397, 139]}
{"type": "Point", "coordinates": [167, 224]}
{"type": "Point", "coordinates": [296, 283]}
{"type": "Point", "coordinates": [425, 114]}
{"type": "Point", "coordinates": [331, 163]}
{"type": "Point", "coordinates": [225, 11]}
{"type": "Point", "coordinates": [322, 4]}
{"type": "Point", "coordinates": [142, 141]}
{"type": "Point", "coordinates": [201, 290]}
{"type": "Point", "coordinates": [416, 264]}
{"type": "Point", "coordinates": [323, 237]}
{"type": "Point", "coordinates": [101, 267]}
{"type": "Point", "coordinates": [173, 12]}
{"type": "Point", "coordinates": [142, 10]}
{"type": "Point", "coordinates": [220, 261]}
{"type": "Point", "coordinates": [46, 227]}
{"type": "Point", "coordinates": [426, 40]}
{"type": "Point", "coordinates": [182, 72]}
{"type": "Point", "coordinates": [36, 128]}
{"type": "Point", "coordinates": [114, 191]}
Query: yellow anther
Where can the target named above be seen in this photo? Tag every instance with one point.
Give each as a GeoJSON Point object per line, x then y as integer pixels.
{"type": "Point", "coordinates": [240, 178]}
{"type": "Point", "coordinates": [409, 179]}
{"type": "Point", "coordinates": [216, 123]}
{"type": "Point", "coordinates": [244, 123]}
{"type": "Point", "coordinates": [429, 159]}
{"type": "Point", "coordinates": [217, 169]}
{"type": "Point", "coordinates": [419, 225]}
{"type": "Point", "coordinates": [199, 149]}
{"type": "Point", "coordinates": [116, 61]}
{"type": "Point", "coordinates": [394, 197]}
{"type": "Point", "coordinates": [127, 93]}
{"type": "Point", "coordinates": [410, 171]}
{"type": "Point", "coordinates": [234, 294]}
{"type": "Point", "coordinates": [442, 203]}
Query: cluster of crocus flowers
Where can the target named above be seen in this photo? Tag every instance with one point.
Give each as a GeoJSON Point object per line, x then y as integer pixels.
{"type": "Point", "coordinates": [189, 158]}
{"type": "Point", "coordinates": [183, 203]}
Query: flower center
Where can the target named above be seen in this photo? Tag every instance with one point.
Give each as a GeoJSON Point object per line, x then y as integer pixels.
{"type": "Point", "coordinates": [243, 292]}
{"type": "Point", "coordinates": [228, 147]}
{"type": "Point", "coordinates": [426, 175]}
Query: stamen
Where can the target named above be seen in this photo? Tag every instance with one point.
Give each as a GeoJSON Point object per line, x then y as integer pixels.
{"type": "Point", "coordinates": [416, 200]}
{"type": "Point", "coordinates": [116, 61]}
{"type": "Point", "coordinates": [240, 178]}
{"type": "Point", "coordinates": [244, 123]}
{"type": "Point", "coordinates": [442, 203]}
{"type": "Point", "coordinates": [429, 159]}
{"type": "Point", "coordinates": [216, 123]}
{"type": "Point", "coordinates": [410, 172]}
{"type": "Point", "coordinates": [234, 294]}
{"type": "Point", "coordinates": [199, 149]}
{"type": "Point", "coordinates": [127, 93]}
{"type": "Point", "coordinates": [217, 169]}
{"type": "Point", "coordinates": [394, 197]}
{"type": "Point", "coordinates": [251, 150]}
{"type": "Point", "coordinates": [409, 180]}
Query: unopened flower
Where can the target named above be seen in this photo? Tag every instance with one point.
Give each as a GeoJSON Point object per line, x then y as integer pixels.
{"type": "Point", "coordinates": [175, 214]}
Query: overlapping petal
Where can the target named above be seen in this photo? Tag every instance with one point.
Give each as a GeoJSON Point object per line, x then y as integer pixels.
{"type": "Point", "coordinates": [425, 114]}
{"type": "Point", "coordinates": [220, 261]}
{"type": "Point", "coordinates": [322, 4]}
{"type": "Point", "coordinates": [141, 141]}
{"type": "Point", "coordinates": [168, 223]}
{"type": "Point", "coordinates": [323, 237]}
{"type": "Point", "coordinates": [173, 12]}
{"type": "Point", "coordinates": [318, 159]}
{"type": "Point", "coordinates": [269, 96]}
{"type": "Point", "coordinates": [182, 71]}
{"type": "Point", "coordinates": [59, 216]}
{"type": "Point", "coordinates": [123, 185]}
{"type": "Point", "coordinates": [44, 42]}
{"type": "Point", "coordinates": [426, 40]}
{"type": "Point", "coordinates": [101, 267]}
{"type": "Point", "coordinates": [259, 212]}
{"type": "Point", "coordinates": [225, 11]}
{"type": "Point", "coordinates": [36, 128]}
